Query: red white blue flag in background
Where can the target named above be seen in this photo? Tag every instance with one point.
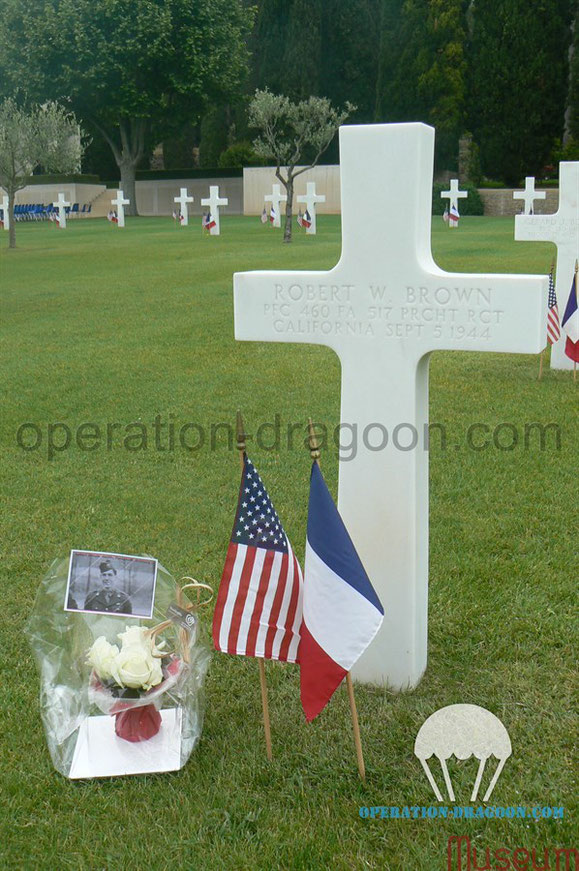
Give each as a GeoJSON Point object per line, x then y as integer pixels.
{"type": "Point", "coordinates": [570, 323]}
{"type": "Point", "coordinates": [272, 215]}
{"type": "Point", "coordinates": [307, 220]}
{"type": "Point", "coordinates": [341, 611]}
{"type": "Point", "coordinates": [453, 215]}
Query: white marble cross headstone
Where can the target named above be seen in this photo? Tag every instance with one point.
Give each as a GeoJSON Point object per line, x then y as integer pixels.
{"type": "Point", "coordinates": [529, 195]}
{"type": "Point", "coordinates": [275, 198]}
{"type": "Point", "coordinates": [453, 195]}
{"type": "Point", "coordinates": [562, 229]}
{"type": "Point", "coordinates": [61, 204]}
{"type": "Point", "coordinates": [120, 204]}
{"type": "Point", "coordinates": [183, 199]}
{"type": "Point", "coordinates": [310, 198]}
{"type": "Point", "coordinates": [214, 201]}
{"type": "Point", "coordinates": [383, 308]}
{"type": "Point", "coordinates": [6, 212]}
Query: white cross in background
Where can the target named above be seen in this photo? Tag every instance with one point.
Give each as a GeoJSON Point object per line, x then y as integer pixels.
{"type": "Point", "coordinates": [61, 204]}
{"type": "Point", "coordinates": [6, 212]}
{"type": "Point", "coordinates": [383, 309]}
{"type": "Point", "coordinates": [213, 201]}
{"type": "Point", "coordinates": [529, 194]}
{"type": "Point", "coordinates": [310, 198]}
{"type": "Point", "coordinates": [275, 198]}
{"type": "Point", "coordinates": [562, 229]}
{"type": "Point", "coordinates": [120, 204]}
{"type": "Point", "coordinates": [453, 195]}
{"type": "Point", "coordinates": [183, 199]}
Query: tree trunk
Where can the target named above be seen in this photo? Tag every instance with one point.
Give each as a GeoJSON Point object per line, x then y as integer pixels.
{"type": "Point", "coordinates": [289, 189]}
{"type": "Point", "coordinates": [11, 218]}
{"type": "Point", "coordinates": [128, 170]}
{"type": "Point", "coordinates": [132, 136]}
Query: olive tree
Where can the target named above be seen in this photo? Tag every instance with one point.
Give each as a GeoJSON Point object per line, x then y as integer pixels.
{"type": "Point", "coordinates": [291, 133]}
{"type": "Point", "coordinates": [47, 136]}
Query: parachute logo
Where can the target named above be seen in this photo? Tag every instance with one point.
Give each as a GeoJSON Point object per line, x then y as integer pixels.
{"type": "Point", "coordinates": [462, 731]}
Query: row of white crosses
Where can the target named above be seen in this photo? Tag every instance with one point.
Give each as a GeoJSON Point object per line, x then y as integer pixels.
{"type": "Point", "coordinates": [276, 198]}
{"type": "Point", "coordinates": [6, 212]}
{"type": "Point", "coordinates": [310, 198]}
{"type": "Point", "coordinates": [562, 229]}
{"type": "Point", "coordinates": [183, 199]}
{"type": "Point", "coordinates": [383, 309]}
{"type": "Point", "coordinates": [454, 195]}
{"type": "Point", "coordinates": [214, 201]}
{"type": "Point", "coordinates": [529, 195]}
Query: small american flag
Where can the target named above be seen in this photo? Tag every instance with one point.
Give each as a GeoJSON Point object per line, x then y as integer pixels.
{"type": "Point", "coordinates": [300, 219]}
{"type": "Point", "coordinates": [272, 215]}
{"type": "Point", "coordinates": [259, 604]}
{"type": "Point", "coordinates": [264, 216]}
{"type": "Point", "coordinates": [553, 328]}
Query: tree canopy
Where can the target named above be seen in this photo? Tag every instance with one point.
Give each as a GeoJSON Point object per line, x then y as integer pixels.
{"type": "Point", "coordinates": [131, 70]}
{"type": "Point", "coordinates": [291, 133]}
{"type": "Point", "coordinates": [45, 135]}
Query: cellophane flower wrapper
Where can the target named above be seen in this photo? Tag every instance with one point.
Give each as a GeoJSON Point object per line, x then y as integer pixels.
{"type": "Point", "coordinates": [70, 691]}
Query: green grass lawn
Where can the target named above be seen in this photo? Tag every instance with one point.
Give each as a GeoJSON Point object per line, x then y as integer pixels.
{"type": "Point", "coordinates": [105, 326]}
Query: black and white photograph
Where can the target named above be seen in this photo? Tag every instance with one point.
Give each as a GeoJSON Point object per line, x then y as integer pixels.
{"type": "Point", "coordinates": [111, 583]}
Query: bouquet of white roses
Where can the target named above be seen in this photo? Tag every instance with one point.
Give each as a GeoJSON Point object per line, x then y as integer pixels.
{"type": "Point", "coordinates": [129, 682]}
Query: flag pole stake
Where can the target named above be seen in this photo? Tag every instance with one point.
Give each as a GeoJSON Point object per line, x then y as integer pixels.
{"type": "Point", "coordinates": [315, 455]}
{"type": "Point", "coordinates": [541, 364]}
{"type": "Point", "coordinates": [241, 438]}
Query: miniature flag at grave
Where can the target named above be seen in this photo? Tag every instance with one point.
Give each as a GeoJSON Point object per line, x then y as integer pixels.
{"type": "Point", "coordinates": [264, 216]}
{"type": "Point", "coordinates": [207, 221]}
{"type": "Point", "coordinates": [342, 612]}
{"type": "Point", "coordinates": [453, 216]}
{"type": "Point", "coordinates": [272, 215]}
{"type": "Point", "coordinates": [306, 220]}
{"type": "Point", "coordinates": [445, 215]}
{"type": "Point", "coordinates": [570, 322]}
{"type": "Point", "coordinates": [259, 604]}
{"type": "Point", "coordinates": [300, 219]}
{"type": "Point", "coordinates": [112, 217]}
{"type": "Point", "coordinates": [553, 329]}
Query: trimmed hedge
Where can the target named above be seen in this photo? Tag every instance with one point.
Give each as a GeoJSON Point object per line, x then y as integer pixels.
{"type": "Point", "coordinates": [169, 174]}
{"type": "Point", "coordinates": [471, 205]}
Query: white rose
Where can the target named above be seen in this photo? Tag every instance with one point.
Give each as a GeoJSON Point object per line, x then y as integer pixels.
{"type": "Point", "coordinates": [102, 656]}
{"type": "Point", "coordinates": [134, 636]}
{"type": "Point", "coordinates": [137, 668]}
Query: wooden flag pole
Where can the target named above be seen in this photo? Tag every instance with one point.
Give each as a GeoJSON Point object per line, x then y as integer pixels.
{"type": "Point", "coordinates": [262, 680]}
{"type": "Point", "coordinates": [315, 455]}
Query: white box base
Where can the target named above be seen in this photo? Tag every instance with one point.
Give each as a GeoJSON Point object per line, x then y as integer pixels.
{"type": "Point", "coordinates": [99, 752]}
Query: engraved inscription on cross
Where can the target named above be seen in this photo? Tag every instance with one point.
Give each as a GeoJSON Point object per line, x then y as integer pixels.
{"type": "Point", "coordinates": [562, 229]}
{"type": "Point", "coordinates": [383, 308]}
{"type": "Point", "coordinates": [183, 199]}
{"type": "Point", "coordinates": [276, 198]}
{"type": "Point", "coordinates": [120, 204]}
{"type": "Point", "coordinates": [529, 195]}
{"type": "Point", "coordinates": [61, 205]}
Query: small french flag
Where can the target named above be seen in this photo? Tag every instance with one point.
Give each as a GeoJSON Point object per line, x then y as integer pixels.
{"type": "Point", "coordinates": [341, 611]}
